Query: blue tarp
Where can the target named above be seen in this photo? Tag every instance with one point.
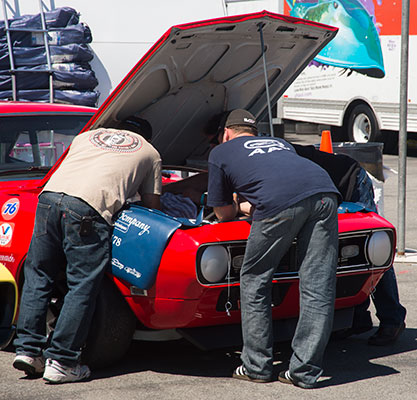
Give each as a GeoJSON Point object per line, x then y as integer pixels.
{"type": "Point", "coordinates": [57, 18]}
{"type": "Point", "coordinates": [347, 207]}
{"type": "Point", "coordinates": [68, 40]}
{"type": "Point", "coordinates": [82, 98]}
{"type": "Point", "coordinates": [37, 55]}
{"type": "Point", "coordinates": [77, 77]}
{"type": "Point", "coordinates": [79, 33]}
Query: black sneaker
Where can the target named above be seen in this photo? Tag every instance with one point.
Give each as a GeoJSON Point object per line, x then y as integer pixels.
{"type": "Point", "coordinates": [386, 335]}
{"type": "Point", "coordinates": [241, 373]}
{"type": "Point", "coordinates": [285, 377]}
{"type": "Point", "coordinates": [345, 333]}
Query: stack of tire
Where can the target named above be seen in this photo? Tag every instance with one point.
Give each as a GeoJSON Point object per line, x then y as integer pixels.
{"type": "Point", "coordinates": [73, 79]}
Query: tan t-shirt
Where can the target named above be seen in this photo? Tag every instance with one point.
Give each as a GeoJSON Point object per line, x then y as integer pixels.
{"type": "Point", "coordinates": [105, 167]}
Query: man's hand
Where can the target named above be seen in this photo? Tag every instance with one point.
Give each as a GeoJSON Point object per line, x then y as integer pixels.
{"type": "Point", "coordinates": [244, 207]}
{"type": "Point", "coordinates": [151, 201]}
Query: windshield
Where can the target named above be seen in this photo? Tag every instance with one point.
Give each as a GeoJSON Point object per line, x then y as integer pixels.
{"type": "Point", "coordinates": [37, 140]}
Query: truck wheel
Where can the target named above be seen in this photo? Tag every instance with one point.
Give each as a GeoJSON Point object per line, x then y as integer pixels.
{"type": "Point", "coordinates": [362, 125]}
{"type": "Point", "coordinates": [111, 329]}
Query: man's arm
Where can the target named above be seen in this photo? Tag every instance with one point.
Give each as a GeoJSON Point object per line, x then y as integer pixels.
{"type": "Point", "coordinates": [226, 213]}
{"type": "Point", "coordinates": [151, 201]}
{"type": "Point", "coordinates": [192, 187]}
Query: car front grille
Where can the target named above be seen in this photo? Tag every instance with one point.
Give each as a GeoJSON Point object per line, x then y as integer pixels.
{"type": "Point", "coordinates": [356, 260]}
{"type": "Point", "coordinates": [346, 286]}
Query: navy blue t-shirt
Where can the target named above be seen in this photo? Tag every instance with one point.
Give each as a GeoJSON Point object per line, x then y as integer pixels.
{"type": "Point", "coordinates": [265, 171]}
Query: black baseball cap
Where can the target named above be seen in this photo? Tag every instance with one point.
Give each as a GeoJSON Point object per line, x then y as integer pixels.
{"type": "Point", "coordinates": [138, 125]}
{"type": "Point", "coordinates": [241, 117]}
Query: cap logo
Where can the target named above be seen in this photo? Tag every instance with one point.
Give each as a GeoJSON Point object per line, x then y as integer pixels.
{"type": "Point", "coordinates": [249, 120]}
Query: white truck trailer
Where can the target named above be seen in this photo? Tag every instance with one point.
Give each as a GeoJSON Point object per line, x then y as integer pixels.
{"type": "Point", "coordinates": [353, 86]}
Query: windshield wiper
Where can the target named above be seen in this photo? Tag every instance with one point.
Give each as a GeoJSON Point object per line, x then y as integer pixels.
{"type": "Point", "coordinates": [24, 170]}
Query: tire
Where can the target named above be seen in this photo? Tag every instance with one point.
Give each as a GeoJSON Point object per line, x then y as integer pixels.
{"type": "Point", "coordinates": [111, 329]}
{"type": "Point", "coordinates": [362, 125]}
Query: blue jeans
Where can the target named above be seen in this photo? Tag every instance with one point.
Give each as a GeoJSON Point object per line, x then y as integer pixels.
{"type": "Point", "coordinates": [387, 304]}
{"type": "Point", "coordinates": [364, 192]}
{"type": "Point", "coordinates": [57, 240]}
{"type": "Point", "coordinates": [314, 222]}
{"type": "Point", "coordinates": [389, 310]}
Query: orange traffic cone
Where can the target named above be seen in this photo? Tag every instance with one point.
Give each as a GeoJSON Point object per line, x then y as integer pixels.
{"type": "Point", "coordinates": [326, 142]}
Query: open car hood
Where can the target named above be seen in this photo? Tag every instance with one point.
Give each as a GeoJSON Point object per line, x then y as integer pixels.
{"type": "Point", "coordinates": [199, 69]}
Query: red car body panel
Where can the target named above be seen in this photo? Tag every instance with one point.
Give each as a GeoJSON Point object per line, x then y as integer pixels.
{"type": "Point", "coordinates": [177, 299]}
{"type": "Point", "coordinates": [22, 186]}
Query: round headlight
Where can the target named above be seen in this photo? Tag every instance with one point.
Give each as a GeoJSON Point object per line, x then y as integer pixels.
{"type": "Point", "coordinates": [379, 248]}
{"type": "Point", "coordinates": [214, 262]}
{"type": "Point", "coordinates": [349, 251]}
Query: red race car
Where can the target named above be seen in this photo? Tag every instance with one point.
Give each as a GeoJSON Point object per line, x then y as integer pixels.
{"type": "Point", "coordinates": [193, 72]}
{"type": "Point", "coordinates": [32, 138]}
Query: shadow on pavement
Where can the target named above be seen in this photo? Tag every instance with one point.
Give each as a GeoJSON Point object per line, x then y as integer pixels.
{"type": "Point", "coordinates": [347, 360]}
{"type": "Point", "coordinates": [353, 360]}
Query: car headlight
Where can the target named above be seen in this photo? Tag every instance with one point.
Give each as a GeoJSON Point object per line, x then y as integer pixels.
{"type": "Point", "coordinates": [379, 248]}
{"type": "Point", "coordinates": [349, 251]}
{"type": "Point", "coordinates": [214, 263]}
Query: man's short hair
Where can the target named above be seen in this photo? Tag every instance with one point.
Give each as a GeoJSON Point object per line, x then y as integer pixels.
{"type": "Point", "coordinates": [244, 129]}
{"type": "Point", "coordinates": [137, 125]}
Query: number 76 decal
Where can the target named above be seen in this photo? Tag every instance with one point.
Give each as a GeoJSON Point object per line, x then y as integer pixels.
{"type": "Point", "coordinates": [10, 209]}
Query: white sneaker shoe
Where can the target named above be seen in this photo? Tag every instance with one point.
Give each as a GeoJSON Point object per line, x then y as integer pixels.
{"type": "Point", "coordinates": [55, 372]}
{"type": "Point", "coordinates": [32, 366]}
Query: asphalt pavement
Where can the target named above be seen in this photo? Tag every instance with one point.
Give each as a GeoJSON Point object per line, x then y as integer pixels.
{"type": "Point", "coordinates": [176, 370]}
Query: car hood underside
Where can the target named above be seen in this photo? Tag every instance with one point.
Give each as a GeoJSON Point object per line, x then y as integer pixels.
{"type": "Point", "coordinates": [199, 69]}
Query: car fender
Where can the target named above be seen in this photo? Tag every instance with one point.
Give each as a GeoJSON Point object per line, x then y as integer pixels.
{"type": "Point", "coordinates": [8, 305]}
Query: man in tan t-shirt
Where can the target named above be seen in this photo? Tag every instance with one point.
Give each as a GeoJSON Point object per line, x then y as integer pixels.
{"type": "Point", "coordinates": [73, 225]}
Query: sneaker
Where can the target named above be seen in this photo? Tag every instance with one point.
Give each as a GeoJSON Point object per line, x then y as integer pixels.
{"type": "Point", "coordinates": [285, 377]}
{"type": "Point", "coordinates": [386, 335]}
{"type": "Point", "coordinates": [241, 373]}
{"type": "Point", "coordinates": [32, 366]}
{"type": "Point", "coordinates": [345, 333]}
{"type": "Point", "coordinates": [55, 372]}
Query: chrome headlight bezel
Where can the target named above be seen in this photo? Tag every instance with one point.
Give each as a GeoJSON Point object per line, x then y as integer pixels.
{"type": "Point", "coordinates": [212, 263]}
{"type": "Point", "coordinates": [235, 250]}
{"type": "Point", "coordinates": [380, 248]}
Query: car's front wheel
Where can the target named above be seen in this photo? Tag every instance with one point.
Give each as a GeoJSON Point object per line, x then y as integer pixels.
{"type": "Point", "coordinates": [111, 330]}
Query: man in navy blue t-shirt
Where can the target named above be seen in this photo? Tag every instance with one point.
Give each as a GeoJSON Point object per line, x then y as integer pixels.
{"type": "Point", "coordinates": [290, 197]}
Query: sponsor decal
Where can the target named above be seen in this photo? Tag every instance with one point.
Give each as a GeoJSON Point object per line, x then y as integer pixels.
{"type": "Point", "coordinates": [264, 146]}
{"type": "Point", "coordinates": [117, 141]}
{"type": "Point", "coordinates": [10, 209]}
{"type": "Point", "coordinates": [7, 258]}
{"type": "Point", "coordinates": [6, 234]}
{"type": "Point", "coordinates": [132, 271]}
{"type": "Point", "coordinates": [124, 222]}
